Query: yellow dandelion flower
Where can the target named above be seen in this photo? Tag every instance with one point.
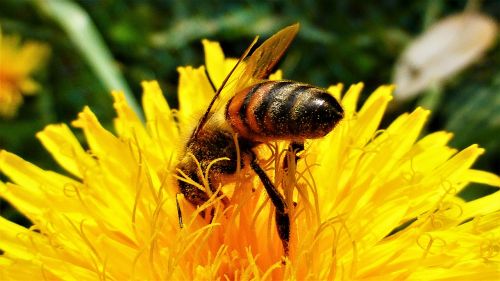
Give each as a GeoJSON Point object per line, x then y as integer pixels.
{"type": "Point", "coordinates": [370, 203]}
{"type": "Point", "coordinates": [17, 62]}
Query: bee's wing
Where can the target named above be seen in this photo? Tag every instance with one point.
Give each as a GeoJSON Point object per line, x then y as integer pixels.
{"type": "Point", "coordinates": [258, 66]}
{"type": "Point", "coordinates": [262, 61]}
{"type": "Point", "coordinates": [204, 119]}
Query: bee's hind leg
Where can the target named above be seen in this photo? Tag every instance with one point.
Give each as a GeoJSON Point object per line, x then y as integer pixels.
{"type": "Point", "coordinates": [282, 215]}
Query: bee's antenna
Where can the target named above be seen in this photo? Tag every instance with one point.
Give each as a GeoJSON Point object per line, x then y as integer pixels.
{"type": "Point", "coordinates": [210, 80]}
{"type": "Point", "coordinates": [204, 119]}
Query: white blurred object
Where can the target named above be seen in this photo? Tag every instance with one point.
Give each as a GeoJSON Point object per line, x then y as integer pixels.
{"type": "Point", "coordinates": [445, 48]}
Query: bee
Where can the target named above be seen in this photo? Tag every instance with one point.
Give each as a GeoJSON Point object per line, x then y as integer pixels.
{"type": "Point", "coordinates": [256, 111]}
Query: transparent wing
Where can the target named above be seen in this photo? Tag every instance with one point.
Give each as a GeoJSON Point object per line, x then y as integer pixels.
{"type": "Point", "coordinates": [260, 64]}
{"type": "Point", "coordinates": [262, 61]}
{"type": "Point", "coordinates": [248, 72]}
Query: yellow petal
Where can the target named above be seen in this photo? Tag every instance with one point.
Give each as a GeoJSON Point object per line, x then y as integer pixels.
{"type": "Point", "coordinates": [483, 177]}
{"type": "Point", "coordinates": [30, 176]}
{"type": "Point", "coordinates": [195, 93]}
{"type": "Point", "coordinates": [350, 99]}
{"type": "Point", "coordinates": [453, 169]}
{"type": "Point", "coordinates": [437, 138]}
{"type": "Point", "coordinates": [65, 148]}
{"type": "Point", "coordinates": [483, 205]}
{"type": "Point", "coordinates": [278, 75]}
{"type": "Point", "coordinates": [214, 61]}
{"type": "Point", "coordinates": [160, 122]}
{"type": "Point", "coordinates": [127, 123]}
{"type": "Point", "coordinates": [336, 91]}
{"type": "Point", "coordinates": [368, 118]}
{"type": "Point", "coordinates": [101, 142]}
{"type": "Point", "coordinates": [13, 239]}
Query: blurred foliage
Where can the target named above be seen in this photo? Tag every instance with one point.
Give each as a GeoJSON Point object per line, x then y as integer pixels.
{"type": "Point", "coordinates": [342, 41]}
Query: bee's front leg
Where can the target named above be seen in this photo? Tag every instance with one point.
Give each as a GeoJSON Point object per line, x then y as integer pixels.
{"type": "Point", "coordinates": [193, 194]}
{"type": "Point", "coordinates": [196, 196]}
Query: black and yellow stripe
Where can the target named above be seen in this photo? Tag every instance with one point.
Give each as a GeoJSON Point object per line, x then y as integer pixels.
{"type": "Point", "coordinates": [275, 110]}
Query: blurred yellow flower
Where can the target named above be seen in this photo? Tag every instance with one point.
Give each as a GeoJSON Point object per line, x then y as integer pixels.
{"type": "Point", "coordinates": [17, 62]}
{"type": "Point", "coordinates": [371, 204]}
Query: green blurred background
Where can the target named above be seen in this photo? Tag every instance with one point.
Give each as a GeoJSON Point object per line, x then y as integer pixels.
{"type": "Point", "coordinates": [339, 41]}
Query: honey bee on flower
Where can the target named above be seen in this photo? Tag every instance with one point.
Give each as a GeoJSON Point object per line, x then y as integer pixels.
{"type": "Point", "coordinates": [257, 112]}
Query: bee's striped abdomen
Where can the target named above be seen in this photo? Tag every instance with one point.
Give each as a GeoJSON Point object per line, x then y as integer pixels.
{"type": "Point", "coordinates": [275, 110]}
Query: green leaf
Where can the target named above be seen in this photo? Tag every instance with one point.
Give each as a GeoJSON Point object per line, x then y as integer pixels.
{"type": "Point", "coordinates": [84, 35]}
